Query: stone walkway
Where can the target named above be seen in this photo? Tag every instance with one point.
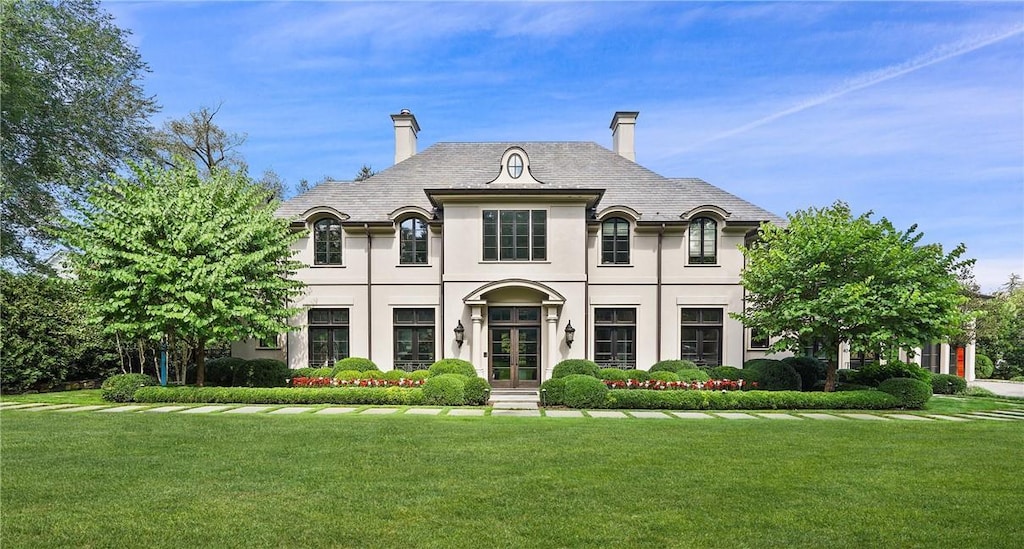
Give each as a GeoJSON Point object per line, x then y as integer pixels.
{"type": "Point", "coordinates": [1015, 414]}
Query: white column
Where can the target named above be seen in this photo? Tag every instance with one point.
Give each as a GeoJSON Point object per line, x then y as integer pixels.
{"type": "Point", "coordinates": [969, 354]}
{"type": "Point", "coordinates": [917, 356]}
{"type": "Point", "coordinates": [477, 344]}
{"type": "Point", "coordinates": [944, 358]}
{"type": "Point", "coordinates": [551, 343]}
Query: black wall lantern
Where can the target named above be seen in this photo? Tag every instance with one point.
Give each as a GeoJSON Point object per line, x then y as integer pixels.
{"type": "Point", "coordinates": [460, 334]}
{"type": "Point", "coordinates": [570, 334]}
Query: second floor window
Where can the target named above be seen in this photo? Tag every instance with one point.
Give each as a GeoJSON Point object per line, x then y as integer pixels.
{"type": "Point", "coordinates": [515, 235]}
{"type": "Point", "coordinates": [615, 241]}
{"type": "Point", "coordinates": [703, 240]}
{"type": "Point", "coordinates": [413, 241]}
{"type": "Point", "coordinates": [327, 242]}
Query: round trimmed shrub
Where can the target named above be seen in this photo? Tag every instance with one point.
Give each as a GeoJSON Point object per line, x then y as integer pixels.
{"type": "Point", "coordinates": [264, 372]}
{"type": "Point", "coordinates": [945, 384]}
{"type": "Point", "coordinates": [637, 375]}
{"type": "Point", "coordinates": [354, 363]}
{"type": "Point", "coordinates": [874, 373]}
{"type": "Point", "coordinates": [477, 391]}
{"type": "Point", "coordinates": [612, 374]}
{"type": "Point", "coordinates": [452, 366]}
{"type": "Point", "coordinates": [445, 390]}
{"type": "Point", "coordinates": [983, 366]}
{"type": "Point", "coordinates": [552, 392]}
{"type": "Point", "coordinates": [584, 391]}
{"type": "Point", "coordinates": [347, 375]}
{"type": "Point", "coordinates": [758, 363]}
{"type": "Point", "coordinates": [396, 374]}
{"type": "Point", "coordinates": [122, 387]}
{"type": "Point", "coordinates": [848, 387]}
{"type": "Point", "coordinates": [419, 374]}
{"type": "Point", "coordinates": [310, 372]}
{"type": "Point", "coordinates": [371, 374]}
{"type": "Point", "coordinates": [693, 374]}
{"type": "Point", "coordinates": [912, 393]}
{"type": "Point", "coordinates": [222, 371]}
{"type": "Point", "coordinates": [810, 369]}
{"type": "Point", "coordinates": [726, 372]}
{"type": "Point", "coordinates": [575, 366]}
{"type": "Point", "coordinates": [672, 366]}
{"type": "Point", "coordinates": [664, 375]}
{"type": "Point", "coordinates": [777, 376]}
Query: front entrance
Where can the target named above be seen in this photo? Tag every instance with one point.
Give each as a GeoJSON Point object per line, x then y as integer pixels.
{"type": "Point", "coordinates": [514, 346]}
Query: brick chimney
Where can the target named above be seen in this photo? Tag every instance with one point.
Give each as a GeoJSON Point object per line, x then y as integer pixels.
{"type": "Point", "coordinates": [623, 125]}
{"type": "Point", "coordinates": [406, 129]}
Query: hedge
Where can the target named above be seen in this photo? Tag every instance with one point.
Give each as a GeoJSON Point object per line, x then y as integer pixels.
{"type": "Point", "coordinates": [639, 375]}
{"type": "Point", "coordinates": [583, 391]}
{"type": "Point", "coordinates": [810, 369]}
{"type": "Point", "coordinates": [477, 391]}
{"type": "Point", "coordinates": [983, 366]}
{"type": "Point", "coordinates": [445, 390]}
{"type": "Point", "coordinates": [613, 374]}
{"type": "Point", "coordinates": [672, 366]}
{"type": "Point", "coordinates": [552, 392]}
{"type": "Point", "coordinates": [911, 393]}
{"type": "Point", "coordinates": [122, 387]}
{"type": "Point", "coordinates": [693, 374]}
{"type": "Point", "coordinates": [749, 400]}
{"type": "Point", "coordinates": [452, 366]}
{"type": "Point", "coordinates": [282, 395]}
{"type": "Point", "coordinates": [778, 376]}
{"type": "Point", "coordinates": [945, 384]}
{"type": "Point", "coordinates": [353, 363]}
{"type": "Point", "coordinates": [664, 375]}
{"type": "Point", "coordinates": [575, 366]}
{"type": "Point", "coordinates": [873, 374]}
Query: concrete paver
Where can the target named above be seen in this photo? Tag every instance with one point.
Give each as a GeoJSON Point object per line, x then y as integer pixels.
{"type": "Point", "coordinates": [334, 410]}
{"type": "Point", "coordinates": [821, 416]}
{"type": "Point", "coordinates": [292, 410]}
{"type": "Point", "coordinates": [249, 410]}
{"type": "Point", "coordinates": [165, 409]}
{"type": "Point", "coordinates": [24, 405]}
{"type": "Point", "coordinates": [424, 411]}
{"type": "Point", "coordinates": [735, 415]}
{"type": "Point", "coordinates": [378, 411]}
{"type": "Point", "coordinates": [606, 414]}
{"type": "Point", "coordinates": [642, 414]}
{"type": "Point", "coordinates": [983, 415]}
{"type": "Point", "coordinates": [204, 409]}
{"type": "Point", "coordinates": [516, 413]}
{"type": "Point", "coordinates": [563, 413]}
{"type": "Point", "coordinates": [947, 418]}
{"type": "Point", "coordinates": [909, 417]}
{"type": "Point", "coordinates": [130, 408]}
{"type": "Point", "coordinates": [779, 416]}
{"type": "Point", "coordinates": [466, 412]}
{"type": "Point", "coordinates": [88, 408]}
{"type": "Point", "coordinates": [692, 415]}
{"type": "Point", "coordinates": [867, 417]}
{"type": "Point", "coordinates": [50, 407]}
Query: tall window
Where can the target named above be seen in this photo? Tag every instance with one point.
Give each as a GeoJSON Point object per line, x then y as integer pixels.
{"type": "Point", "coordinates": [413, 241]}
{"type": "Point", "coordinates": [328, 336]}
{"type": "Point", "coordinates": [758, 339]}
{"type": "Point", "coordinates": [615, 241]}
{"type": "Point", "coordinates": [414, 339]}
{"type": "Point", "coordinates": [615, 338]}
{"type": "Point", "coordinates": [327, 242]}
{"type": "Point", "coordinates": [703, 240]}
{"type": "Point", "coordinates": [931, 357]}
{"type": "Point", "coordinates": [702, 336]}
{"type": "Point", "coordinates": [515, 235]}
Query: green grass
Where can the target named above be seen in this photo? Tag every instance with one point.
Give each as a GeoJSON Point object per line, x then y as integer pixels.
{"type": "Point", "coordinates": [80, 397]}
{"type": "Point", "coordinates": [153, 480]}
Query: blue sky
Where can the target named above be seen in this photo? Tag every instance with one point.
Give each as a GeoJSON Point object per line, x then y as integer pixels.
{"type": "Point", "coordinates": [912, 110]}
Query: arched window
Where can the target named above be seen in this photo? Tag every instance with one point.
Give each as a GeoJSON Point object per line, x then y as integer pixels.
{"type": "Point", "coordinates": [703, 241]}
{"type": "Point", "coordinates": [615, 241]}
{"type": "Point", "coordinates": [327, 242]}
{"type": "Point", "coordinates": [412, 235]}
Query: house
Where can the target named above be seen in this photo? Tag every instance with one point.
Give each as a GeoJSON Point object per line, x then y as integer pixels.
{"type": "Point", "coordinates": [515, 256]}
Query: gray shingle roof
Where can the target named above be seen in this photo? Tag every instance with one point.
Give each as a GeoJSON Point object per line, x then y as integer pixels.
{"type": "Point", "coordinates": [557, 165]}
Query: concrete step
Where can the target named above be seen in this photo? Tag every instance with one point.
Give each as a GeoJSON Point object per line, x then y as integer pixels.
{"type": "Point", "coordinates": [513, 405]}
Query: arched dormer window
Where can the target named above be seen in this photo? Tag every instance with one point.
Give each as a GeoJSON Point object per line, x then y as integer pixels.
{"type": "Point", "coordinates": [412, 237]}
{"type": "Point", "coordinates": [703, 241]}
{"type": "Point", "coordinates": [327, 242]}
{"type": "Point", "coordinates": [615, 241]}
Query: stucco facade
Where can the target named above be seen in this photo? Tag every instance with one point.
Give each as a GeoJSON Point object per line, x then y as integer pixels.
{"type": "Point", "coordinates": [510, 244]}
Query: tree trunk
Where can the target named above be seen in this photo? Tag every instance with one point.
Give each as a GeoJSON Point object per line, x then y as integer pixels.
{"type": "Point", "coordinates": [830, 376]}
{"type": "Point", "coordinates": [200, 363]}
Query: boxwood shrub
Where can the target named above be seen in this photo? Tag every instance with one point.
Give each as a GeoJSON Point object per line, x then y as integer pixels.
{"type": "Point", "coordinates": [371, 374]}
{"type": "Point", "coordinates": [122, 387]}
{"type": "Point", "coordinates": [664, 375]}
{"type": "Point", "coordinates": [354, 363]}
{"type": "Point", "coordinates": [419, 374]}
{"type": "Point", "coordinates": [693, 374]}
{"type": "Point", "coordinates": [613, 374]}
{"type": "Point", "coordinates": [395, 374]}
{"type": "Point", "coordinates": [983, 366]}
{"type": "Point", "coordinates": [477, 391]}
{"type": "Point", "coordinates": [945, 384]}
{"type": "Point", "coordinates": [452, 366]}
{"type": "Point", "coordinates": [585, 391]}
{"type": "Point", "coordinates": [347, 375]}
{"type": "Point", "coordinates": [672, 366]}
{"type": "Point", "coordinates": [445, 390]}
{"type": "Point", "coordinates": [874, 373]}
{"type": "Point", "coordinates": [726, 372]}
{"type": "Point", "coordinates": [749, 400]}
{"type": "Point", "coordinates": [552, 392]}
{"type": "Point", "coordinates": [575, 366]}
{"type": "Point", "coordinates": [221, 371]}
{"type": "Point", "coordinates": [261, 372]}
{"type": "Point", "coordinates": [310, 372]}
{"type": "Point", "coordinates": [639, 375]}
{"type": "Point", "coordinates": [810, 369]}
{"type": "Point", "coordinates": [911, 393]}
{"type": "Point", "coordinates": [401, 396]}
{"type": "Point", "coordinates": [777, 376]}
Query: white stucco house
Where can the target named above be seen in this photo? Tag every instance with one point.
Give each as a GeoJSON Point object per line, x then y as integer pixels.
{"type": "Point", "coordinates": [515, 256]}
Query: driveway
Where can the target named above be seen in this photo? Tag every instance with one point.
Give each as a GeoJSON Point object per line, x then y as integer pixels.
{"type": "Point", "coordinates": [1003, 388]}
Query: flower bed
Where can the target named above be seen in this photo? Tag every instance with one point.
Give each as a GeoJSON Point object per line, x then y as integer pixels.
{"type": "Point", "coordinates": [656, 385]}
{"type": "Point", "coordinates": [332, 382]}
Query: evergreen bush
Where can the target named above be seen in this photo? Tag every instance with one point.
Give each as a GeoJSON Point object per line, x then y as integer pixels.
{"type": "Point", "coordinates": [445, 390]}
{"type": "Point", "coordinates": [575, 366]}
{"type": "Point", "coordinates": [672, 366]}
{"type": "Point", "coordinates": [122, 387]}
{"type": "Point", "coordinates": [477, 391]}
{"type": "Point", "coordinates": [664, 375]}
{"type": "Point", "coordinates": [262, 372]}
{"type": "Point", "coordinates": [452, 366]}
{"type": "Point", "coordinates": [726, 372]}
{"type": "Point", "coordinates": [354, 363]}
{"type": "Point", "coordinates": [777, 376]}
{"type": "Point", "coordinates": [613, 374]}
{"type": "Point", "coordinates": [638, 375]}
{"type": "Point", "coordinates": [983, 366]}
{"type": "Point", "coordinates": [585, 391]}
{"type": "Point", "coordinates": [911, 393]}
{"type": "Point", "coordinates": [945, 384]}
{"type": "Point", "coordinates": [693, 374]}
{"type": "Point", "coordinates": [552, 392]}
{"type": "Point", "coordinates": [810, 369]}
{"type": "Point", "coordinates": [347, 375]}
{"type": "Point", "coordinates": [874, 373]}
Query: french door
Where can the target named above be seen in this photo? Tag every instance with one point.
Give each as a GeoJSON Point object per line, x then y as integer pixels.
{"type": "Point", "coordinates": [514, 349]}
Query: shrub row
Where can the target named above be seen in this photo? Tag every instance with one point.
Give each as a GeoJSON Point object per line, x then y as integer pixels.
{"type": "Point", "coordinates": [122, 387]}
{"type": "Point", "coordinates": [281, 395]}
{"type": "Point", "coordinates": [873, 374]}
{"type": "Point", "coordinates": [945, 384]}
{"type": "Point", "coordinates": [239, 372]}
{"type": "Point", "coordinates": [750, 400]}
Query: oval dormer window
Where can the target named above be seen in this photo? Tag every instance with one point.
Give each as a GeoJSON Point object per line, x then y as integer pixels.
{"type": "Point", "coordinates": [515, 166]}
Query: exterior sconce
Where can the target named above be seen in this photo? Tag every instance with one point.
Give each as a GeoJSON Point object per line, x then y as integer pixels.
{"type": "Point", "coordinates": [570, 334]}
{"type": "Point", "coordinates": [460, 334]}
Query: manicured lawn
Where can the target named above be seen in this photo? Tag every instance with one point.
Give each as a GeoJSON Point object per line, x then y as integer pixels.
{"type": "Point", "coordinates": [153, 480]}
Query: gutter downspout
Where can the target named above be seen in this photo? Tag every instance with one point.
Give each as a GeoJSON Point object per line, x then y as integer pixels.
{"type": "Point", "coordinates": [586, 290]}
{"type": "Point", "coordinates": [369, 292]}
{"type": "Point", "coordinates": [657, 331]}
{"type": "Point", "coordinates": [440, 285]}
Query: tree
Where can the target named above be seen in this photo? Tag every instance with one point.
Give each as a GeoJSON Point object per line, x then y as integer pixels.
{"type": "Point", "coordinates": [831, 277]}
{"type": "Point", "coordinates": [305, 186]}
{"type": "Point", "coordinates": [169, 253]}
{"type": "Point", "coordinates": [1000, 323]}
{"type": "Point", "coordinates": [73, 109]}
{"type": "Point", "coordinates": [196, 138]}
{"type": "Point", "coordinates": [272, 184]}
{"type": "Point", "coordinates": [364, 173]}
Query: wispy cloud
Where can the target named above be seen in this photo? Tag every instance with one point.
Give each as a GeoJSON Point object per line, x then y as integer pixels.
{"type": "Point", "coordinates": [937, 55]}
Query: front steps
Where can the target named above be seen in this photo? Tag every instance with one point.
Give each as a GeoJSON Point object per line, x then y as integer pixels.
{"type": "Point", "coordinates": [514, 399]}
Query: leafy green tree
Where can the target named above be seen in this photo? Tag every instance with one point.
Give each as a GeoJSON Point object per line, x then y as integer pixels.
{"type": "Point", "coordinates": [47, 339]}
{"type": "Point", "coordinates": [73, 109]}
{"type": "Point", "coordinates": [167, 252]}
{"type": "Point", "coordinates": [1000, 324]}
{"type": "Point", "coordinates": [832, 277]}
